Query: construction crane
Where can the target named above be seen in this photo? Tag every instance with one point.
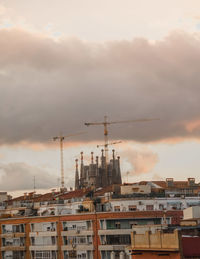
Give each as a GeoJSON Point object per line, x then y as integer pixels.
{"type": "Point", "coordinates": [105, 123]}
{"type": "Point", "coordinates": [61, 139]}
{"type": "Point", "coordinates": [111, 143]}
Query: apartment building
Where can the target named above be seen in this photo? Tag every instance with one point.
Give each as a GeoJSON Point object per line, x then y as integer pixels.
{"type": "Point", "coordinates": [149, 204]}
{"type": "Point", "coordinates": [13, 240]}
{"type": "Point", "coordinates": [83, 236]}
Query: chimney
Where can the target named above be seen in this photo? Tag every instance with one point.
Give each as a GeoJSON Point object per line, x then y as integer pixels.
{"type": "Point", "coordinates": [191, 181]}
{"type": "Point", "coordinates": [25, 195]}
{"type": "Point", "coordinates": [92, 158]}
{"type": "Point", "coordinates": [170, 182]}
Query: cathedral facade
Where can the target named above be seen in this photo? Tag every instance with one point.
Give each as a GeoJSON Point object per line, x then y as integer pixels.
{"type": "Point", "coordinates": [98, 173]}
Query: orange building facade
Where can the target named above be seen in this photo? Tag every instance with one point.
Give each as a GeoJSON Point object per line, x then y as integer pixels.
{"type": "Point", "coordinates": [89, 236]}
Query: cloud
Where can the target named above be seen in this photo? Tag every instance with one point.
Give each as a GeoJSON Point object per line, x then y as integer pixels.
{"type": "Point", "coordinates": [48, 86]}
{"type": "Point", "coordinates": [2, 10]}
{"type": "Point", "coordinates": [140, 160]}
{"type": "Point", "coordinates": [20, 176]}
{"type": "Point", "coordinates": [192, 125]}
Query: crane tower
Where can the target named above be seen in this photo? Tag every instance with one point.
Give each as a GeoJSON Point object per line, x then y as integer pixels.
{"type": "Point", "coordinates": [61, 138]}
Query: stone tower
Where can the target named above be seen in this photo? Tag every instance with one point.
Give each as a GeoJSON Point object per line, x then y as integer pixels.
{"type": "Point", "coordinates": [98, 174]}
{"type": "Point", "coordinates": [76, 176]}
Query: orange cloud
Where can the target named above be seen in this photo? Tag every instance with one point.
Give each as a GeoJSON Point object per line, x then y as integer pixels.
{"type": "Point", "coordinates": [192, 125]}
{"type": "Point", "coordinates": [142, 160]}
{"type": "Point", "coordinates": [41, 146]}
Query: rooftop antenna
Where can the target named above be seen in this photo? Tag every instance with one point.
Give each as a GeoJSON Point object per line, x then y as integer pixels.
{"type": "Point", "coordinates": [61, 138]}
{"type": "Point", "coordinates": [58, 180]}
{"type": "Point", "coordinates": [127, 174]}
{"type": "Point", "coordinates": [34, 183]}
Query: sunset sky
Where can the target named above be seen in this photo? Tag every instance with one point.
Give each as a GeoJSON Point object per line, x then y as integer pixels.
{"type": "Point", "coordinates": [66, 62]}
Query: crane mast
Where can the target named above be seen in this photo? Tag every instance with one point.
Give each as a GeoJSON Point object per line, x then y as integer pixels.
{"type": "Point", "coordinates": [61, 162]}
{"type": "Point", "coordinates": [61, 138]}
{"type": "Point", "coordinates": [106, 140]}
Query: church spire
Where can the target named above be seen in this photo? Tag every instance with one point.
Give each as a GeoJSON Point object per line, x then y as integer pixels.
{"type": "Point", "coordinates": [76, 176]}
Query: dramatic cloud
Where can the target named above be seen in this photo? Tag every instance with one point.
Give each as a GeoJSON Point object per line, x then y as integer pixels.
{"type": "Point", "coordinates": [20, 176]}
{"type": "Point", "coordinates": [48, 86]}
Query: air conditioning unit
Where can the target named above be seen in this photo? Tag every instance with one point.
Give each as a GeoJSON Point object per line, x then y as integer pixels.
{"type": "Point", "coordinates": [78, 231]}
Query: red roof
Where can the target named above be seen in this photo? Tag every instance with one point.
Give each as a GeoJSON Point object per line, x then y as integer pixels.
{"type": "Point", "coordinates": [74, 194]}
{"type": "Point", "coordinates": [46, 197]}
{"type": "Point", "coordinates": [26, 197]}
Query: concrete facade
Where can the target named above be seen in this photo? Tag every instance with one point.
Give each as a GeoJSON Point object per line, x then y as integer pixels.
{"type": "Point", "coordinates": [192, 213]}
{"type": "Point", "coordinates": [135, 188]}
{"type": "Point", "coordinates": [88, 236]}
{"type": "Point", "coordinates": [155, 245]}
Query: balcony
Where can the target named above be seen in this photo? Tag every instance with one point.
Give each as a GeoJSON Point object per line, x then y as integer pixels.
{"type": "Point", "coordinates": [11, 235]}
{"type": "Point", "coordinates": [78, 247]}
{"type": "Point", "coordinates": [43, 247]}
{"type": "Point", "coordinates": [13, 248]}
{"type": "Point", "coordinates": [114, 232]}
{"type": "Point", "coordinates": [77, 232]}
{"type": "Point", "coordinates": [112, 247]}
{"type": "Point", "coordinates": [115, 242]}
{"type": "Point", "coordinates": [43, 233]}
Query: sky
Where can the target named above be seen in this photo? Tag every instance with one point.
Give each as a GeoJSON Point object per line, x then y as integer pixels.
{"type": "Point", "coordinates": [67, 62]}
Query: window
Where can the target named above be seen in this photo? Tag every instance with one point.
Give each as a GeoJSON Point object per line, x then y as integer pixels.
{"type": "Point", "coordinates": [89, 225]}
{"type": "Point", "coordinates": [53, 240]}
{"type": "Point", "coordinates": [89, 240]}
{"type": "Point", "coordinates": [161, 206]}
{"type": "Point", "coordinates": [116, 208]}
{"type": "Point", "coordinates": [71, 254]}
{"type": "Point", "coordinates": [117, 225]}
{"type": "Point", "coordinates": [132, 208]}
{"type": "Point", "coordinates": [149, 207]}
{"type": "Point", "coordinates": [118, 239]}
{"type": "Point", "coordinates": [45, 255]}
